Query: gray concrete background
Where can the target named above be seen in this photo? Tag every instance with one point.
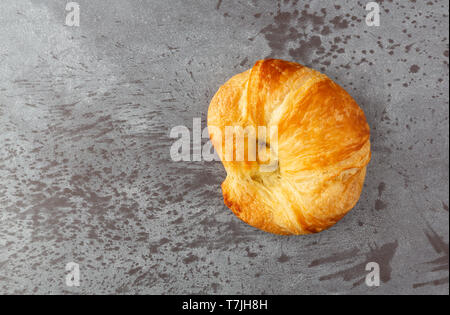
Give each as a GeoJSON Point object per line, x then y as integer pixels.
{"type": "Point", "coordinates": [85, 171]}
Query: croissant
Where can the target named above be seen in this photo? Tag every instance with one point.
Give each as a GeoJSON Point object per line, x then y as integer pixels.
{"type": "Point", "coordinates": [311, 161]}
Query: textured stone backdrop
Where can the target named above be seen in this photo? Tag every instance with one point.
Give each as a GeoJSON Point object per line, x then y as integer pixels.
{"type": "Point", "coordinates": [85, 170]}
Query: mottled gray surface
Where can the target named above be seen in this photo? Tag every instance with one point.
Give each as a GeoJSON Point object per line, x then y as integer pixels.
{"type": "Point", "coordinates": [85, 171]}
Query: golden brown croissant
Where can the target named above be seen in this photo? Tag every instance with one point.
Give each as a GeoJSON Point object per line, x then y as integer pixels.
{"type": "Point", "coordinates": [320, 147]}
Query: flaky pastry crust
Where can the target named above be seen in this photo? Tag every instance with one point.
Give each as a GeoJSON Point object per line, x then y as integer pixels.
{"type": "Point", "coordinates": [322, 151]}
